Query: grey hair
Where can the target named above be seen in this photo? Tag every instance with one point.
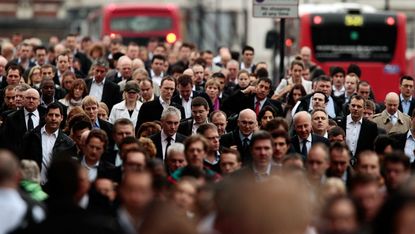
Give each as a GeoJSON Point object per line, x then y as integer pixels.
{"type": "Point", "coordinates": [175, 148]}
{"type": "Point", "coordinates": [170, 110]}
{"type": "Point", "coordinates": [30, 170]}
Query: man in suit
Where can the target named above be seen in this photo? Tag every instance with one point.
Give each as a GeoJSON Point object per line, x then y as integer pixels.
{"type": "Point", "coordinates": [122, 72]}
{"type": "Point", "coordinates": [46, 142]}
{"type": "Point", "coordinates": [247, 63]}
{"type": "Point", "coordinates": [240, 138]}
{"type": "Point", "coordinates": [200, 112]}
{"type": "Point", "coordinates": [303, 138]}
{"type": "Point", "coordinates": [406, 102]}
{"type": "Point", "coordinates": [22, 121]}
{"type": "Point", "coordinates": [340, 163]}
{"type": "Point", "coordinates": [152, 110]}
{"type": "Point", "coordinates": [391, 119]}
{"type": "Point", "coordinates": [261, 167]}
{"type": "Point", "coordinates": [156, 72]}
{"type": "Point", "coordinates": [47, 91]}
{"type": "Point", "coordinates": [186, 94]}
{"type": "Point", "coordinates": [360, 132]}
{"type": "Point", "coordinates": [254, 98]}
{"type": "Point", "coordinates": [406, 141]}
{"type": "Point", "coordinates": [170, 119]}
{"type": "Point", "coordinates": [90, 105]}
{"type": "Point", "coordinates": [102, 89]}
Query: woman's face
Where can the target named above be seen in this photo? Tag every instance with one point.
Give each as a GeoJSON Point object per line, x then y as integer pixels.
{"type": "Point", "coordinates": [267, 117]}
{"type": "Point", "coordinates": [77, 92]}
{"type": "Point", "coordinates": [243, 80]}
{"type": "Point", "coordinates": [296, 72]}
{"type": "Point", "coordinates": [296, 94]}
{"type": "Point", "coordinates": [102, 114]}
{"type": "Point", "coordinates": [36, 77]}
{"type": "Point", "coordinates": [212, 91]}
{"type": "Point", "coordinates": [68, 82]}
{"type": "Point", "coordinates": [131, 96]}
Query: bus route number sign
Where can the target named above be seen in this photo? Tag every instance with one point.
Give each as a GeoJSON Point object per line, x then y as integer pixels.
{"type": "Point", "coordinates": [353, 20]}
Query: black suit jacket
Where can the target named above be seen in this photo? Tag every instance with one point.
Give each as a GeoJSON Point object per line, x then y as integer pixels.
{"type": "Point", "coordinates": [186, 127]}
{"type": "Point", "coordinates": [32, 146]}
{"type": "Point", "coordinates": [107, 128]}
{"type": "Point", "coordinates": [111, 94]}
{"type": "Point", "coordinates": [240, 101]}
{"type": "Point", "coordinates": [152, 110]}
{"type": "Point", "coordinates": [399, 140]}
{"type": "Point", "coordinates": [367, 135]}
{"type": "Point", "coordinates": [156, 138]}
{"type": "Point", "coordinates": [411, 107]}
{"type": "Point", "coordinates": [14, 129]}
{"type": "Point", "coordinates": [314, 139]}
{"type": "Point", "coordinates": [178, 100]}
{"type": "Point", "coordinates": [232, 138]}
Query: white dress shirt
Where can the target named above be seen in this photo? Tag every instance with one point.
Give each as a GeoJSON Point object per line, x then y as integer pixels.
{"type": "Point", "coordinates": [405, 104]}
{"type": "Point", "coordinates": [338, 92]}
{"type": "Point", "coordinates": [48, 141]}
{"type": "Point", "coordinates": [92, 170]}
{"type": "Point", "coordinates": [352, 133]}
{"type": "Point", "coordinates": [164, 142]}
{"type": "Point", "coordinates": [156, 78]}
{"type": "Point", "coordinates": [187, 105]}
{"type": "Point", "coordinates": [164, 103]}
{"type": "Point", "coordinates": [307, 144]}
{"type": "Point", "coordinates": [97, 89]}
{"type": "Point", "coordinates": [35, 117]}
{"type": "Point", "coordinates": [410, 146]}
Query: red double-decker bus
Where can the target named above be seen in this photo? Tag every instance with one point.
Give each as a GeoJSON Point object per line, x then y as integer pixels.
{"type": "Point", "coordinates": [137, 22]}
{"type": "Point", "coordinates": [376, 41]}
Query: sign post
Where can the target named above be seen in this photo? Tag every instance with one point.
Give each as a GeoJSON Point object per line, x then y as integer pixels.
{"type": "Point", "coordinates": [277, 9]}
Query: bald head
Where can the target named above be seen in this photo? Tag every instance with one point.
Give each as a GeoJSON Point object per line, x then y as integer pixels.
{"type": "Point", "coordinates": [188, 72]}
{"type": "Point", "coordinates": [305, 53]}
{"type": "Point", "coordinates": [392, 103]}
{"type": "Point", "coordinates": [247, 122]}
{"type": "Point", "coordinates": [31, 99]}
{"type": "Point", "coordinates": [302, 124]}
{"type": "Point", "coordinates": [246, 113]}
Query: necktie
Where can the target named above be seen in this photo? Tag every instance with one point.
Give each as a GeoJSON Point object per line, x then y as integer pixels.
{"type": "Point", "coordinates": [168, 139]}
{"type": "Point", "coordinates": [245, 144]}
{"type": "Point", "coordinates": [30, 122]}
{"type": "Point", "coordinates": [257, 107]}
{"type": "Point", "coordinates": [304, 148]}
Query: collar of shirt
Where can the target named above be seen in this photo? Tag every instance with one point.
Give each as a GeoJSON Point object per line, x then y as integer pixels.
{"type": "Point", "coordinates": [394, 115]}
{"type": "Point", "coordinates": [403, 99]}
{"type": "Point", "coordinates": [190, 98]}
{"type": "Point", "coordinates": [35, 113]}
{"type": "Point", "coordinates": [409, 135]}
{"type": "Point", "coordinates": [154, 74]}
{"type": "Point", "coordinates": [164, 136]}
{"type": "Point", "coordinates": [261, 103]}
{"type": "Point", "coordinates": [242, 136]}
{"type": "Point", "coordinates": [89, 167]}
{"type": "Point", "coordinates": [309, 139]}
{"type": "Point", "coordinates": [267, 171]}
{"type": "Point", "coordinates": [349, 120]}
{"type": "Point", "coordinates": [100, 83]}
{"type": "Point", "coordinates": [343, 89]}
{"type": "Point", "coordinates": [42, 103]}
{"type": "Point", "coordinates": [244, 67]}
{"type": "Point", "coordinates": [43, 131]}
{"type": "Point", "coordinates": [162, 102]}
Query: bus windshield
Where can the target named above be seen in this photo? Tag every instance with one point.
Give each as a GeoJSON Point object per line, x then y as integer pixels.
{"type": "Point", "coordinates": [140, 24]}
{"type": "Point", "coordinates": [342, 37]}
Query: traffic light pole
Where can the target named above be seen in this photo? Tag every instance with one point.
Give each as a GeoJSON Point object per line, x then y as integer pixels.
{"type": "Point", "coordinates": [282, 49]}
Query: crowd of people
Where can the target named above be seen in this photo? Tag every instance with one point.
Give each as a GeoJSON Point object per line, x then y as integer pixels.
{"type": "Point", "coordinates": [106, 137]}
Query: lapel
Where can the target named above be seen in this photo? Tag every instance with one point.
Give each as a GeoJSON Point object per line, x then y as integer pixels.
{"type": "Point", "coordinates": [158, 144]}
{"type": "Point", "coordinates": [296, 143]}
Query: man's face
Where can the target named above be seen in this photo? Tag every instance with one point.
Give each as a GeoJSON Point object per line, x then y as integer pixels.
{"type": "Point", "coordinates": [369, 165]}
{"type": "Point", "coordinates": [364, 91]}
{"type": "Point", "coordinates": [198, 74]}
{"type": "Point", "coordinates": [185, 91]}
{"type": "Point", "coordinates": [125, 69]}
{"type": "Point", "coordinates": [146, 90]}
{"type": "Point", "coordinates": [303, 127]}
{"type": "Point", "coordinates": [338, 79]}
{"type": "Point", "coordinates": [229, 163]}
{"type": "Point", "coordinates": [136, 191]}
{"type": "Point", "coordinates": [76, 137]}
{"type": "Point", "coordinates": [339, 161]}
{"type": "Point", "coordinates": [220, 122]}
{"type": "Point", "coordinates": [306, 73]}
{"type": "Point", "coordinates": [25, 52]}
{"type": "Point", "coordinates": [262, 151]}
{"type": "Point", "coordinates": [122, 131]}
{"type": "Point", "coordinates": [196, 154]}
{"type": "Point", "coordinates": [175, 161]}
{"type": "Point", "coordinates": [318, 101]}
{"type": "Point", "coordinates": [19, 99]}
{"type": "Point", "coordinates": [338, 138]}
{"type": "Point", "coordinates": [134, 161]}
{"type": "Point", "coordinates": [41, 56]}
{"type": "Point", "coordinates": [133, 51]}
{"type": "Point", "coordinates": [200, 114]}
{"type": "Point", "coordinates": [53, 119]}
{"type": "Point", "coordinates": [317, 163]}
{"type": "Point", "coordinates": [324, 86]}
{"type": "Point", "coordinates": [407, 88]}
{"type": "Point", "coordinates": [392, 105]}
{"type": "Point", "coordinates": [233, 70]}
{"type": "Point", "coordinates": [9, 98]}
{"type": "Point", "coordinates": [247, 123]}
{"type": "Point", "coordinates": [48, 89]}
{"type": "Point", "coordinates": [157, 66]}
{"type": "Point", "coordinates": [31, 100]}
{"type": "Point", "coordinates": [91, 111]}
{"type": "Point", "coordinates": [167, 90]}
{"type": "Point", "coordinates": [351, 84]}
{"type": "Point", "coordinates": [71, 43]}
{"type": "Point", "coordinates": [184, 53]}
{"type": "Point", "coordinates": [106, 188]}
{"type": "Point", "coordinates": [248, 56]}
{"type": "Point", "coordinates": [262, 90]}
{"type": "Point", "coordinates": [213, 137]}
{"type": "Point", "coordinates": [320, 121]}
{"type": "Point", "coordinates": [94, 150]}
{"type": "Point", "coordinates": [369, 198]}
{"type": "Point", "coordinates": [13, 77]}
{"type": "Point", "coordinates": [356, 108]}
{"type": "Point", "coordinates": [99, 73]}
{"type": "Point", "coordinates": [208, 58]}
{"type": "Point", "coordinates": [280, 148]}
{"type": "Point", "coordinates": [63, 63]}
{"type": "Point", "coordinates": [48, 72]}
{"type": "Point", "coordinates": [170, 124]}
{"type": "Point", "coordinates": [395, 175]}
{"type": "Point", "coordinates": [368, 113]}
